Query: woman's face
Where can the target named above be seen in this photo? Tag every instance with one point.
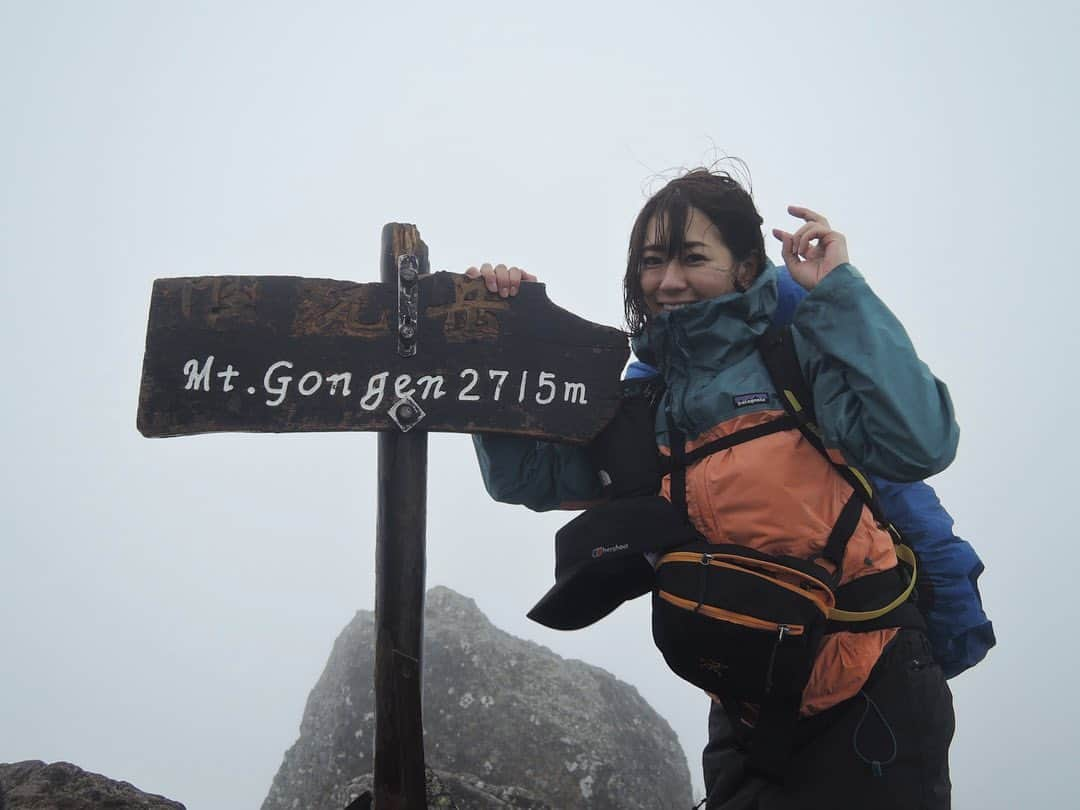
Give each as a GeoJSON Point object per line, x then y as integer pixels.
{"type": "Point", "coordinates": [705, 268]}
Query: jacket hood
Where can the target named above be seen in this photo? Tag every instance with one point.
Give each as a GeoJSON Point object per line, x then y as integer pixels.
{"type": "Point", "coordinates": [709, 335]}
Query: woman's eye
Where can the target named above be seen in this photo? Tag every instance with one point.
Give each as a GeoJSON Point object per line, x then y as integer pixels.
{"type": "Point", "coordinates": [694, 258]}
{"type": "Point", "coordinates": [651, 261]}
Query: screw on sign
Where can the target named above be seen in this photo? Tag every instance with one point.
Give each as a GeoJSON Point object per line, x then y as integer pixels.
{"type": "Point", "coordinates": [413, 353]}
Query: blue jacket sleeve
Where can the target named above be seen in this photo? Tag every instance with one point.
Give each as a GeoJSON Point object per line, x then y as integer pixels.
{"type": "Point", "coordinates": [539, 475]}
{"type": "Point", "coordinates": [874, 398]}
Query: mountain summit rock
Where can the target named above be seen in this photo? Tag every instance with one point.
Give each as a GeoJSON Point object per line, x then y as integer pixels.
{"type": "Point", "coordinates": [508, 721]}
{"type": "Point", "coordinates": [37, 785]}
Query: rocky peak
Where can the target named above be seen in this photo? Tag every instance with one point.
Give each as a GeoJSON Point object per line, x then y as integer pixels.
{"type": "Point", "coordinates": [505, 720]}
{"type": "Point", "coordinates": [36, 785]}
{"type": "Point", "coordinates": [454, 608]}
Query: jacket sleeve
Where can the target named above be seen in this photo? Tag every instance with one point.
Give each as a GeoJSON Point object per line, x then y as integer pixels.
{"type": "Point", "coordinates": [874, 398]}
{"type": "Point", "coordinates": [539, 475]}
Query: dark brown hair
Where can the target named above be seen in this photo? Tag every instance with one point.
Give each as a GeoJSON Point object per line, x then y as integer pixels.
{"type": "Point", "coordinates": [722, 199]}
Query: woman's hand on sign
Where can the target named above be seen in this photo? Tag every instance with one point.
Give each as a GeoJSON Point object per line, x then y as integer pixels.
{"type": "Point", "coordinates": [809, 263]}
{"type": "Point", "coordinates": [500, 278]}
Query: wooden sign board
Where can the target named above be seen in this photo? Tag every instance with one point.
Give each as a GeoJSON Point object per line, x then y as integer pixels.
{"type": "Point", "coordinates": [283, 354]}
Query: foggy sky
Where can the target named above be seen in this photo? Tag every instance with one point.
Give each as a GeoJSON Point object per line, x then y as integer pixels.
{"type": "Point", "coordinates": [168, 604]}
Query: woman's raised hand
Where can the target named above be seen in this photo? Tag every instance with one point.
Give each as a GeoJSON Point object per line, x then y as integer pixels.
{"type": "Point", "coordinates": [810, 263]}
{"type": "Point", "coordinates": [500, 278]}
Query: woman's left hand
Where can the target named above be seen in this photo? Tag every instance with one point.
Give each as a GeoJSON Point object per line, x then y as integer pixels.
{"type": "Point", "coordinates": [810, 263]}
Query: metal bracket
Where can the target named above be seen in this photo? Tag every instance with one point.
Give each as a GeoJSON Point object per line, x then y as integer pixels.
{"type": "Point", "coordinates": [406, 413]}
{"type": "Point", "coordinates": [408, 304]}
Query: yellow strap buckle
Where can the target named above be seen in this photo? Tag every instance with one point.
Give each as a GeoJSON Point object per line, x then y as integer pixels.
{"type": "Point", "coordinates": [905, 555]}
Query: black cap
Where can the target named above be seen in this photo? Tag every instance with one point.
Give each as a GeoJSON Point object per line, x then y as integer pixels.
{"type": "Point", "coordinates": [600, 559]}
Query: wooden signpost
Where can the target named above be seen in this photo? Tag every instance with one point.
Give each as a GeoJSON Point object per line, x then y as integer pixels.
{"type": "Point", "coordinates": [412, 353]}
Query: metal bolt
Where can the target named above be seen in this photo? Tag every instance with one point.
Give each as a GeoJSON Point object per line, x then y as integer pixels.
{"type": "Point", "coordinates": [408, 275]}
{"type": "Point", "coordinates": [407, 331]}
{"type": "Point", "coordinates": [406, 413]}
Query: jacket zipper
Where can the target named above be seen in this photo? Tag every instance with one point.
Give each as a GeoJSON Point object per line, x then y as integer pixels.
{"type": "Point", "coordinates": [743, 620]}
{"type": "Point", "coordinates": [705, 558]}
{"type": "Point", "coordinates": [782, 630]}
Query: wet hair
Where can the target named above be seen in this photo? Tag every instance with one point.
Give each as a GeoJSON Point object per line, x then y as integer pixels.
{"type": "Point", "coordinates": [722, 199]}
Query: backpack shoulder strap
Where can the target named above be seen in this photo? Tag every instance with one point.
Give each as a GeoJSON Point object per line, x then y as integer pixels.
{"type": "Point", "coordinates": [777, 348]}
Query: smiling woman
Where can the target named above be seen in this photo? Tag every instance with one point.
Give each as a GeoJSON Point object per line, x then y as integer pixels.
{"type": "Point", "coordinates": [834, 701]}
{"type": "Point", "coordinates": [698, 238]}
{"type": "Point", "coordinates": [703, 268]}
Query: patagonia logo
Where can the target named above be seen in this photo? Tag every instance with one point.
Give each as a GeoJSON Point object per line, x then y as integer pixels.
{"type": "Point", "coordinates": [600, 551]}
{"type": "Point", "coordinates": [742, 400]}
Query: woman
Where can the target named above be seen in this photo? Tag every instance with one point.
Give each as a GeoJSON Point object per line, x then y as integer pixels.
{"type": "Point", "coordinates": [876, 715]}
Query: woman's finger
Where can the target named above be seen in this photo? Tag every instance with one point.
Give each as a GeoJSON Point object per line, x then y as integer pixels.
{"type": "Point", "coordinates": [807, 214]}
{"type": "Point", "coordinates": [488, 272]}
{"type": "Point", "coordinates": [838, 242]}
{"type": "Point", "coordinates": [797, 238]}
{"type": "Point", "coordinates": [502, 277]}
{"type": "Point", "coordinates": [799, 232]}
{"type": "Point", "coordinates": [515, 279]}
{"type": "Point", "coordinates": [785, 245]}
{"type": "Point", "coordinates": [807, 234]}
{"type": "Point", "coordinates": [499, 278]}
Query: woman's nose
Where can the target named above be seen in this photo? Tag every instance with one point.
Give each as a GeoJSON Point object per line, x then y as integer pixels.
{"type": "Point", "coordinates": [674, 277]}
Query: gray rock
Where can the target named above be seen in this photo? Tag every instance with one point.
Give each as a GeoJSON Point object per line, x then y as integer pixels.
{"type": "Point", "coordinates": [446, 791]}
{"type": "Point", "coordinates": [505, 720]}
{"type": "Point", "coordinates": [35, 785]}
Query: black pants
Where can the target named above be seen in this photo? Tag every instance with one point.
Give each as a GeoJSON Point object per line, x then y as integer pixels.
{"type": "Point", "coordinates": [902, 720]}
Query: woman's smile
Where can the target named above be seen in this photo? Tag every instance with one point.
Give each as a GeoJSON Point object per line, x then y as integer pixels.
{"type": "Point", "coordinates": [702, 269]}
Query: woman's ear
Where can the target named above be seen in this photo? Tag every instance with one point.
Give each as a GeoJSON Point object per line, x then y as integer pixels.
{"type": "Point", "coordinates": [746, 272]}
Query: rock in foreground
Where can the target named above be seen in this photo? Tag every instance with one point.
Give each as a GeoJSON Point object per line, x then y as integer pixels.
{"type": "Point", "coordinates": [446, 792]}
{"type": "Point", "coordinates": [35, 785]}
{"type": "Point", "coordinates": [502, 716]}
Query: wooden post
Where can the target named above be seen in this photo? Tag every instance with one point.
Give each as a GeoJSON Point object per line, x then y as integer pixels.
{"type": "Point", "coordinates": [280, 354]}
{"type": "Point", "coordinates": [400, 560]}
